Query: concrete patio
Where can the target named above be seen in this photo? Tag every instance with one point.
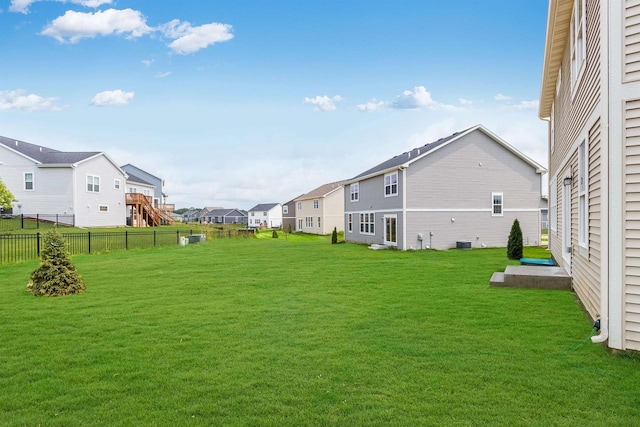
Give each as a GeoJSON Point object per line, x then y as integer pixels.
{"type": "Point", "coordinates": [532, 277]}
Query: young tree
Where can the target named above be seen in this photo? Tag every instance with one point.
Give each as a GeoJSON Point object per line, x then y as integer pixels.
{"type": "Point", "coordinates": [334, 236]}
{"type": "Point", "coordinates": [6, 197]}
{"type": "Point", "coordinates": [274, 234]}
{"type": "Point", "coordinates": [56, 275]}
{"type": "Point", "coordinates": [514, 246]}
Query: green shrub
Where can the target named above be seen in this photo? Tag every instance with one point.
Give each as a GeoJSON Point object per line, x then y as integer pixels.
{"type": "Point", "coordinates": [274, 234]}
{"type": "Point", "coordinates": [56, 275]}
{"type": "Point", "coordinates": [514, 246]}
{"type": "Point", "coordinates": [334, 236]}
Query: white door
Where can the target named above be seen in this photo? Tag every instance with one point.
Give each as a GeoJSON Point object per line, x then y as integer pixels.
{"type": "Point", "coordinates": [390, 230]}
{"type": "Point", "coordinates": [566, 226]}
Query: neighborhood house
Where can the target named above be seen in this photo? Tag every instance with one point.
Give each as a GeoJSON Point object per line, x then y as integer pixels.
{"type": "Point", "coordinates": [320, 210]}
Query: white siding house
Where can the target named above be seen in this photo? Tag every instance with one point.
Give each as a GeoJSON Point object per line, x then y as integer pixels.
{"type": "Point", "coordinates": [590, 96]}
{"type": "Point", "coordinates": [466, 188]}
{"type": "Point", "coordinates": [265, 215]}
{"type": "Point", "coordinates": [88, 185]}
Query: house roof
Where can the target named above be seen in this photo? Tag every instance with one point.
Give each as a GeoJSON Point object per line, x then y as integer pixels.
{"type": "Point", "coordinates": [46, 155]}
{"type": "Point", "coordinates": [133, 178]}
{"type": "Point", "coordinates": [558, 24]}
{"type": "Point", "coordinates": [405, 159]}
{"type": "Point", "coordinates": [264, 207]}
{"type": "Point", "coordinates": [293, 200]}
{"type": "Point", "coordinates": [224, 212]}
{"type": "Point", "coordinates": [141, 170]}
{"type": "Point", "coordinates": [191, 212]}
{"type": "Point", "coordinates": [322, 191]}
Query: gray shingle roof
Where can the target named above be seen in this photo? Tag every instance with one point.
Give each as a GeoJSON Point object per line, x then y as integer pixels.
{"type": "Point", "coordinates": [46, 155]}
{"type": "Point", "coordinates": [264, 207]}
{"type": "Point", "coordinates": [403, 158]}
{"type": "Point", "coordinates": [224, 212]}
{"type": "Point", "coordinates": [133, 178]}
{"type": "Point", "coordinates": [321, 191]}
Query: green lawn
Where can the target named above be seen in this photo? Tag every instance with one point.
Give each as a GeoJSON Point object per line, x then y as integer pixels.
{"type": "Point", "coordinates": [296, 331]}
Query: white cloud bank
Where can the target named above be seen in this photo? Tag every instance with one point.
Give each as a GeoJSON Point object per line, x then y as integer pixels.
{"type": "Point", "coordinates": [17, 100]}
{"type": "Point", "coordinates": [112, 97]}
{"type": "Point", "coordinates": [22, 6]}
{"type": "Point", "coordinates": [371, 106]}
{"type": "Point", "coordinates": [190, 39]}
{"type": "Point", "coordinates": [501, 97]}
{"type": "Point", "coordinates": [418, 98]}
{"type": "Point", "coordinates": [323, 103]}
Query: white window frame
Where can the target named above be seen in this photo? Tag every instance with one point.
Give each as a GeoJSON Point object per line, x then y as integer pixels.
{"type": "Point", "coordinates": [93, 183]}
{"type": "Point", "coordinates": [578, 34]}
{"type": "Point", "coordinates": [106, 208]}
{"type": "Point", "coordinates": [390, 183]}
{"type": "Point", "coordinates": [583, 191]}
{"type": "Point", "coordinates": [355, 191]}
{"type": "Point", "coordinates": [285, 209]}
{"type": "Point", "coordinates": [494, 204]}
{"type": "Point", "coordinates": [116, 184]}
{"type": "Point", "coordinates": [299, 206]}
{"type": "Point", "coordinates": [553, 205]}
{"type": "Point", "coordinates": [319, 222]}
{"type": "Point", "coordinates": [299, 223]}
{"type": "Point", "coordinates": [33, 181]}
{"type": "Point", "coordinates": [308, 221]}
{"type": "Point", "coordinates": [350, 223]}
{"type": "Point", "coordinates": [316, 204]}
{"type": "Point", "coordinates": [368, 223]}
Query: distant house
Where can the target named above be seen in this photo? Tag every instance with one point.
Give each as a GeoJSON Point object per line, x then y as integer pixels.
{"type": "Point", "coordinates": [88, 185]}
{"type": "Point", "coordinates": [192, 215]}
{"type": "Point", "coordinates": [321, 210]}
{"type": "Point", "coordinates": [203, 214]}
{"type": "Point", "coordinates": [158, 195]}
{"type": "Point", "coordinates": [590, 96]}
{"type": "Point", "coordinates": [265, 215]}
{"type": "Point", "coordinates": [224, 216]}
{"type": "Point", "coordinates": [468, 187]}
{"type": "Point", "coordinates": [289, 215]}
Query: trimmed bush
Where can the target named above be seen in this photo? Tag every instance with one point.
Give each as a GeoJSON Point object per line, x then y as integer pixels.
{"type": "Point", "coordinates": [274, 234]}
{"type": "Point", "coordinates": [56, 275]}
{"type": "Point", "coordinates": [334, 236]}
{"type": "Point", "coordinates": [514, 246]}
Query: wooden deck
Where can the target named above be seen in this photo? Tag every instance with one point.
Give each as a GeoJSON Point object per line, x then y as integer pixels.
{"type": "Point", "coordinates": [144, 214]}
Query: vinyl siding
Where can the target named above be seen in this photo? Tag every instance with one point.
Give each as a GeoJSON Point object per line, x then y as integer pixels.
{"type": "Point", "coordinates": [289, 219]}
{"type": "Point", "coordinates": [330, 210]}
{"type": "Point", "coordinates": [632, 224]}
{"type": "Point", "coordinates": [87, 212]}
{"type": "Point", "coordinates": [631, 51]}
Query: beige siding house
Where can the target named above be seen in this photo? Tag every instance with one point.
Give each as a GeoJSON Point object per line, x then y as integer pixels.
{"type": "Point", "coordinates": [590, 96]}
{"type": "Point", "coordinates": [466, 189]}
{"type": "Point", "coordinates": [320, 210]}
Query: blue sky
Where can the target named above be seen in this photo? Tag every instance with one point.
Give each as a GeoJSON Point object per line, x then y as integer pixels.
{"type": "Point", "coordinates": [236, 103]}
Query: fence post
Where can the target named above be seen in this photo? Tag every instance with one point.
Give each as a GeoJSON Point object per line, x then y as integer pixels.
{"type": "Point", "coordinates": [22, 221]}
{"type": "Point", "coordinates": [126, 240]}
{"type": "Point", "coordinates": [229, 233]}
{"type": "Point", "coordinates": [89, 241]}
{"type": "Point", "coordinates": [38, 243]}
{"type": "Point", "coordinates": [57, 223]}
{"type": "Point", "coordinates": [177, 237]}
{"type": "Point", "coordinates": [37, 221]}
{"type": "Point", "coordinates": [154, 238]}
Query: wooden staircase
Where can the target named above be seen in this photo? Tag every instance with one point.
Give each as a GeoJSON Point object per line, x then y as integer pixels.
{"type": "Point", "coordinates": [144, 214]}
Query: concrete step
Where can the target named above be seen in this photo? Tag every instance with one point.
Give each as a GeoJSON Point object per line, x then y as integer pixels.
{"type": "Point", "coordinates": [536, 277]}
{"type": "Point", "coordinates": [497, 279]}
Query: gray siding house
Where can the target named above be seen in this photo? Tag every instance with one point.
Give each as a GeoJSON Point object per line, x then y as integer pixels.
{"type": "Point", "coordinates": [468, 187]}
{"type": "Point", "coordinates": [145, 177]}
{"type": "Point", "coordinates": [289, 215]}
{"type": "Point", "coordinates": [224, 216]}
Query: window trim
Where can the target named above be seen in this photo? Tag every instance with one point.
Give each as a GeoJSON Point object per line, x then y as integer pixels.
{"type": "Point", "coordinates": [368, 223]}
{"type": "Point", "coordinates": [285, 209]}
{"type": "Point", "coordinates": [578, 43]}
{"type": "Point", "coordinates": [583, 194]}
{"type": "Point", "coordinates": [33, 181]}
{"type": "Point", "coordinates": [316, 204]}
{"type": "Point", "coordinates": [553, 205]}
{"type": "Point", "coordinates": [106, 210]}
{"type": "Point", "coordinates": [391, 184]}
{"type": "Point", "coordinates": [494, 204]}
{"type": "Point", "coordinates": [93, 184]}
{"type": "Point", "coordinates": [354, 190]}
{"type": "Point", "coordinates": [350, 223]}
{"type": "Point", "coordinates": [117, 184]}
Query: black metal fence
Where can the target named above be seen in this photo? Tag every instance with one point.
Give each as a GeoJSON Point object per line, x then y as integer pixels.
{"type": "Point", "coordinates": [35, 221]}
{"type": "Point", "coordinates": [25, 247]}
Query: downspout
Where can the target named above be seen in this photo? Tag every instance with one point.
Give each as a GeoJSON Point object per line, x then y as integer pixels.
{"type": "Point", "coordinates": [603, 319]}
{"type": "Point", "coordinates": [404, 208]}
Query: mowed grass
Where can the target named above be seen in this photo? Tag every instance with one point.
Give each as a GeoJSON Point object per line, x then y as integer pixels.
{"type": "Point", "coordinates": [275, 332]}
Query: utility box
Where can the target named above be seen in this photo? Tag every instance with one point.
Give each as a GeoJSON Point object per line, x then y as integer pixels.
{"type": "Point", "coordinates": [463, 244]}
{"type": "Point", "coordinates": [183, 241]}
{"type": "Point", "coordinates": [197, 238]}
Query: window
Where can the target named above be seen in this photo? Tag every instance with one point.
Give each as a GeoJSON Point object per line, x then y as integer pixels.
{"type": "Point", "coordinates": [355, 192]}
{"type": "Point", "coordinates": [116, 184]}
{"type": "Point", "coordinates": [350, 223]}
{"type": "Point", "coordinates": [308, 221]}
{"type": "Point", "coordinates": [318, 222]}
{"type": "Point", "coordinates": [28, 180]}
{"type": "Point", "coordinates": [253, 214]}
{"type": "Point", "coordinates": [578, 40]}
{"type": "Point", "coordinates": [104, 208]}
{"type": "Point", "coordinates": [285, 209]}
{"type": "Point", "coordinates": [583, 220]}
{"type": "Point", "coordinates": [299, 206]}
{"type": "Point", "coordinates": [553, 205]}
{"type": "Point", "coordinates": [264, 214]}
{"type": "Point", "coordinates": [315, 204]}
{"type": "Point", "coordinates": [391, 184]}
{"type": "Point", "coordinates": [496, 199]}
{"type": "Point", "coordinates": [133, 190]}
{"type": "Point", "coordinates": [300, 224]}
{"type": "Point", "coordinates": [93, 183]}
{"type": "Point", "coordinates": [367, 223]}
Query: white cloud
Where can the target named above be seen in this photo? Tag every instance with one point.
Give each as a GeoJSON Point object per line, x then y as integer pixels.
{"type": "Point", "coordinates": [323, 103]}
{"type": "Point", "coordinates": [190, 39]}
{"type": "Point", "coordinates": [419, 97]}
{"type": "Point", "coordinates": [372, 105]}
{"type": "Point", "coordinates": [147, 62]}
{"type": "Point", "coordinates": [463, 101]}
{"type": "Point", "coordinates": [163, 75]}
{"type": "Point", "coordinates": [527, 105]}
{"type": "Point", "coordinates": [22, 6]}
{"type": "Point", "coordinates": [112, 97]}
{"type": "Point", "coordinates": [18, 101]}
{"type": "Point", "coordinates": [74, 26]}
{"type": "Point", "coordinates": [501, 97]}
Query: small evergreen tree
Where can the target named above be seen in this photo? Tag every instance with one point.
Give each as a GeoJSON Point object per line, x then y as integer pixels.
{"type": "Point", "coordinates": [274, 234]}
{"type": "Point", "coordinates": [514, 246]}
{"type": "Point", "coordinates": [6, 197]}
{"type": "Point", "coordinates": [56, 275]}
{"type": "Point", "coordinates": [334, 236]}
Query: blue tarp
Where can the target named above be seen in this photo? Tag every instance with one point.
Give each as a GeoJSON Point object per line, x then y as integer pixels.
{"type": "Point", "coordinates": [537, 261]}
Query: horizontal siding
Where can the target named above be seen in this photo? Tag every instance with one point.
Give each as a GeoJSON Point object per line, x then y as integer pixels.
{"type": "Point", "coordinates": [632, 224]}
{"type": "Point", "coordinates": [631, 53]}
